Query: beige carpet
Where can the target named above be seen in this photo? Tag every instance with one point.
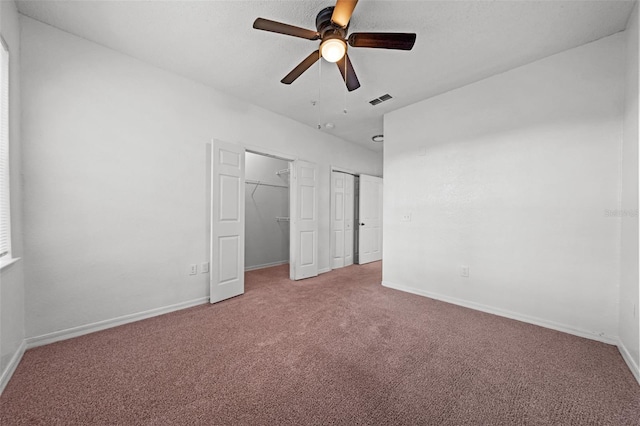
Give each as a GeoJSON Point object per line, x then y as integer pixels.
{"type": "Point", "coordinates": [337, 349]}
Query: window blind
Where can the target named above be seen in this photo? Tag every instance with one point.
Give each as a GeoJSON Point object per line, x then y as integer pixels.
{"type": "Point", "coordinates": [5, 224]}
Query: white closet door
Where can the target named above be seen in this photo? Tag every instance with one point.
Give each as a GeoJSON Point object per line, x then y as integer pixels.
{"type": "Point", "coordinates": [304, 220]}
{"type": "Point", "coordinates": [342, 219]}
{"type": "Point", "coordinates": [338, 220]}
{"type": "Point", "coordinates": [370, 219]}
{"type": "Point", "coordinates": [227, 221]}
{"type": "Point", "coordinates": [349, 214]}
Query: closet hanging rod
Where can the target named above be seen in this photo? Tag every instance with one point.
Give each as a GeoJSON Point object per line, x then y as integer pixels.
{"type": "Point", "coordinates": [283, 171]}
{"type": "Point", "coordinates": [257, 182]}
{"type": "Point", "coordinates": [282, 219]}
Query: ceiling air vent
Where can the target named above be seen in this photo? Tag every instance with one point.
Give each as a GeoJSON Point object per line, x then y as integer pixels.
{"type": "Point", "coordinates": [381, 99]}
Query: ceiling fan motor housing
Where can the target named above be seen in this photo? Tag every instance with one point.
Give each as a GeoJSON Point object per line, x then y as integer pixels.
{"type": "Point", "coordinates": [327, 28]}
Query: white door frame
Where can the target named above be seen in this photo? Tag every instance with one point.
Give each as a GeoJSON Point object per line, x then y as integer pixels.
{"type": "Point", "coordinates": [356, 228]}
{"type": "Point", "coordinates": [291, 160]}
{"type": "Point", "coordinates": [292, 197]}
{"type": "Point", "coordinates": [293, 255]}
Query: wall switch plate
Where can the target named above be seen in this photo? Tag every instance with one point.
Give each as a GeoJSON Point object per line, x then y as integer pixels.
{"type": "Point", "coordinates": [193, 269]}
{"type": "Point", "coordinates": [406, 217]}
{"type": "Point", "coordinates": [464, 271]}
{"type": "Point", "coordinates": [204, 268]}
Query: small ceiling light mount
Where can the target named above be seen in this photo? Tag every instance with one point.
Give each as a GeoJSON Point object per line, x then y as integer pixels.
{"type": "Point", "coordinates": [329, 126]}
{"type": "Point", "coordinates": [378, 138]}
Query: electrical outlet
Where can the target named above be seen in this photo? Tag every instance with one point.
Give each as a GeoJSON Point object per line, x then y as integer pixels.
{"type": "Point", "coordinates": [193, 269]}
{"type": "Point", "coordinates": [464, 271]}
{"type": "Point", "coordinates": [204, 268]}
{"type": "Point", "coordinates": [406, 217]}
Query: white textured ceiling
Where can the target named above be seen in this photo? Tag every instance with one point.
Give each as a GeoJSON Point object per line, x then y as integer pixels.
{"type": "Point", "coordinates": [213, 42]}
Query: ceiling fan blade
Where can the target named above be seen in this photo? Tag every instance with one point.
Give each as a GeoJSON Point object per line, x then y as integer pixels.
{"type": "Point", "coordinates": [348, 73]}
{"type": "Point", "coordinates": [286, 29]}
{"type": "Point", "coordinates": [302, 67]}
{"type": "Point", "coordinates": [400, 41]}
{"type": "Point", "coordinates": [342, 12]}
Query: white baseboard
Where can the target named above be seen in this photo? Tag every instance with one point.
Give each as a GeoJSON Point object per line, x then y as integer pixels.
{"type": "Point", "coordinates": [11, 367]}
{"type": "Point", "coordinates": [284, 262]}
{"type": "Point", "coordinates": [629, 360]}
{"type": "Point", "coordinates": [265, 265]}
{"type": "Point", "coordinates": [69, 333]}
{"type": "Point", "coordinates": [611, 340]}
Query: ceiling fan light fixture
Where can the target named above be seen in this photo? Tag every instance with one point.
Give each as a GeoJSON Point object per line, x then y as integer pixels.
{"type": "Point", "coordinates": [332, 28]}
{"type": "Point", "coordinates": [333, 49]}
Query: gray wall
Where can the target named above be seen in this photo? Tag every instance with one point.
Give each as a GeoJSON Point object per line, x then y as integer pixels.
{"type": "Point", "coordinates": [12, 320]}
{"type": "Point", "coordinates": [116, 168]}
{"type": "Point", "coordinates": [513, 176]}
{"type": "Point", "coordinates": [629, 329]}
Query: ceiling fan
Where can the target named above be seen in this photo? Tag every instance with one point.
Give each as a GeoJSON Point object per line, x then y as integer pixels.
{"type": "Point", "coordinates": [331, 25]}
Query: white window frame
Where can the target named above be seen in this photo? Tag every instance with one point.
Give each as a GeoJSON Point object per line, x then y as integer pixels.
{"type": "Point", "coordinates": [6, 257]}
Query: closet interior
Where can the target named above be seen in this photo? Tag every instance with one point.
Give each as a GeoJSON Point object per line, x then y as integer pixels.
{"type": "Point", "coordinates": [266, 211]}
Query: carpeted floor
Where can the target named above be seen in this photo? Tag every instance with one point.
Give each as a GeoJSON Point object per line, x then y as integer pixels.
{"type": "Point", "coordinates": [337, 349]}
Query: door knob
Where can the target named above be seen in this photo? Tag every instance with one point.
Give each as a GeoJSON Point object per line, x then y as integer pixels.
{"type": "Point", "coordinates": [362, 224]}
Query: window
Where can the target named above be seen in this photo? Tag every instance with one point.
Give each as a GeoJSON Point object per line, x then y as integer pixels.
{"type": "Point", "coordinates": [5, 220]}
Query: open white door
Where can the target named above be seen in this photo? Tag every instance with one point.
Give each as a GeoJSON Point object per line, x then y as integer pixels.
{"type": "Point", "coordinates": [337, 219]}
{"type": "Point", "coordinates": [349, 214]}
{"type": "Point", "coordinates": [370, 219]}
{"type": "Point", "coordinates": [304, 220]}
{"type": "Point", "coordinates": [342, 215]}
{"type": "Point", "coordinates": [227, 221]}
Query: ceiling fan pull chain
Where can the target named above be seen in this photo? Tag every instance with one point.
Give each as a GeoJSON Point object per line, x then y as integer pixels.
{"type": "Point", "coordinates": [345, 87]}
{"type": "Point", "coordinates": [319, 86]}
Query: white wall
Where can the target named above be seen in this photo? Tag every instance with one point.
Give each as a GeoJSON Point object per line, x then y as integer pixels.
{"type": "Point", "coordinates": [629, 329]}
{"type": "Point", "coordinates": [511, 176]}
{"type": "Point", "coordinates": [116, 179]}
{"type": "Point", "coordinates": [266, 240]}
{"type": "Point", "coordinates": [12, 277]}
